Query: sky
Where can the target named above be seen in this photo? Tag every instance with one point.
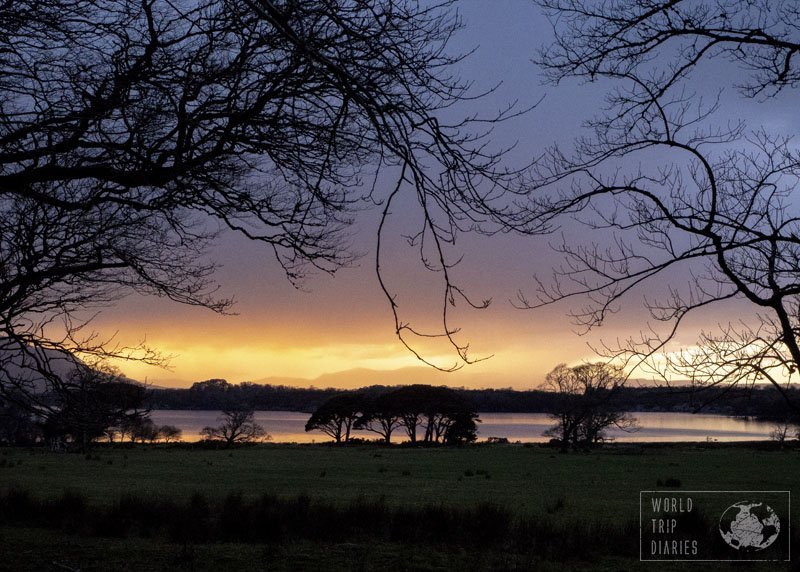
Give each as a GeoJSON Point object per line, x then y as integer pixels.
{"type": "Point", "coordinates": [343, 323]}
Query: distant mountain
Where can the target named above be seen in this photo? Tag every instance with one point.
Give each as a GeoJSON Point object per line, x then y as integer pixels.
{"type": "Point", "coordinates": [363, 377]}
{"type": "Point", "coordinates": [287, 381]}
{"type": "Point", "coordinates": [60, 363]}
{"type": "Point", "coordinates": [658, 383]}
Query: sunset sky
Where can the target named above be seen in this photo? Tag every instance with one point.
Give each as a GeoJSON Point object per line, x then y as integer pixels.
{"type": "Point", "coordinates": [343, 322]}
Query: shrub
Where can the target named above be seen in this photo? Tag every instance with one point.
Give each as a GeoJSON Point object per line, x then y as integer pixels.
{"type": "Point", "coordinates": [272, 519]}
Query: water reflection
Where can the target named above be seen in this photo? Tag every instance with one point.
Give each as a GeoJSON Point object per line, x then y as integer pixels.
{"type": "Point", "coordinates": [288, 426]}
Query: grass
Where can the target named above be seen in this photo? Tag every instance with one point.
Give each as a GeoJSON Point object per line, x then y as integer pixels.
{"type": "Point", "coordinates": [45, 551]}
{"type": "Point", "coordinates": [590, 491]}
{"type": "Point", "coordinates": [603, 484]}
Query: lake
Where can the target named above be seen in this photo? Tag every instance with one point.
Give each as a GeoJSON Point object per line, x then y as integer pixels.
{"type": "Point", "coordinates": [288, 426]}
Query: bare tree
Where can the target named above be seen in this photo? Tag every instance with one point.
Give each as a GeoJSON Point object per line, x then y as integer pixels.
{"type": "Point", "coordinates": [616, 39]}
{"type": "Point", "coordinates": [145, 431]}
{"type": "Point", "coordinates": [236, 426]}
{"type": "Point", "coordinates": [780, 432]}
{"type": "Point", "coordinates": [56, 264]}
{"type": "Point", "coordinates": [586, 407]}
{"type": "Point", "coordinates": [561, 380]}
{"type": "Point", "coordinates": [169, 433]}
{"type": "Point", "coordinates": [131, 133]}
{"type": "Point", "coordinates": [697, 211]}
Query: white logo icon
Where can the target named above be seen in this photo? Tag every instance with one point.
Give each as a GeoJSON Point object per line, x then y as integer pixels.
{"type": "Point", "coordinates": [749, 526]}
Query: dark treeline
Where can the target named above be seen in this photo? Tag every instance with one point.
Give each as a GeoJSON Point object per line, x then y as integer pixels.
{"type": "Point", "coordinates": [88, 405]}
{"type": "Point", "coordinates": [217, 394]}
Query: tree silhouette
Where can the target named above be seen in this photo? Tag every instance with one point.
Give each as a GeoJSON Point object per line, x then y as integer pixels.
{"type": "Point", "coordinates": [412, 402]}
{"type": "Point", "coordinates": [236, 426]}
{"type": "Point", "coordinates": [442, 407]}
{"type": "Point", "coordinates": [587, 403]}
{"type": "Point", "coordinates": [131, 132]}
{"type": "Point", "coordinates": [463, 428]}
{"type": "Point", "coordinates": [380, 415]}
{"type": "Point", "coordinates": [90, 403]}
{"type": "Point", "coordinates": [780, 432]}
{"type": "Point", "coordinates": [697, 212]}
{"type": "Point", "coordinates": [18, 426]}
{"type": "Point", "coordinates": [441, 413]}
{"type": "Point", "coordinates": [144, 431]}
{"type": "Point", "coordinates": [169, 433]}
{"type": "Point", "coordinates": [337, 416]}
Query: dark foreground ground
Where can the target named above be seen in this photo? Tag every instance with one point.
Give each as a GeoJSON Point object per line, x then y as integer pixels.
{"type": "Point", "coordinates": [363, 508]}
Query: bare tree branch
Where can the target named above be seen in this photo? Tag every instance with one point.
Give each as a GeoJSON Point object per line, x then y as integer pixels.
{"type": "Point", "coordinates": [710, 217]}
{"type": "Point", "coordinates": [132, 132]}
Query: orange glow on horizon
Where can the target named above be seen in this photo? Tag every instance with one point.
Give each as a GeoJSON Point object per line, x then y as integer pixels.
{"type": "Point", "coordinates": [338, 364]}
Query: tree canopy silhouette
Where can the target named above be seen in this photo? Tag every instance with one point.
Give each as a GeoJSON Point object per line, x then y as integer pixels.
{"type": "Point", "coordinates": [92, 403]}
{"type": "Point", "coordinates": [133, 133]}
{"type": "Point", "coordinates": [337, 416]}
{"type": "Point", "coordinates": [587, 404]}
{"type": "Point", "coordinates": [687, 205]}
{"type": "Point", "coordinates": [441, 413]}
{"type": "Point", "coordinates": [236, 425]}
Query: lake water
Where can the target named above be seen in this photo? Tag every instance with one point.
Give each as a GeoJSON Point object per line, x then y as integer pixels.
{"type": "Point", "coordinates": [288, 426]}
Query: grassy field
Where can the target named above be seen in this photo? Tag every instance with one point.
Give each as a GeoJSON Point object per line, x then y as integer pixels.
{"type": "Point", "coordinates": [601, 488]}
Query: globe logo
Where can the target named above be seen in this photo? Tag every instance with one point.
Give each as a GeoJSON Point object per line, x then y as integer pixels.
{"type": "Point", "coordinates": [749, 526]}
